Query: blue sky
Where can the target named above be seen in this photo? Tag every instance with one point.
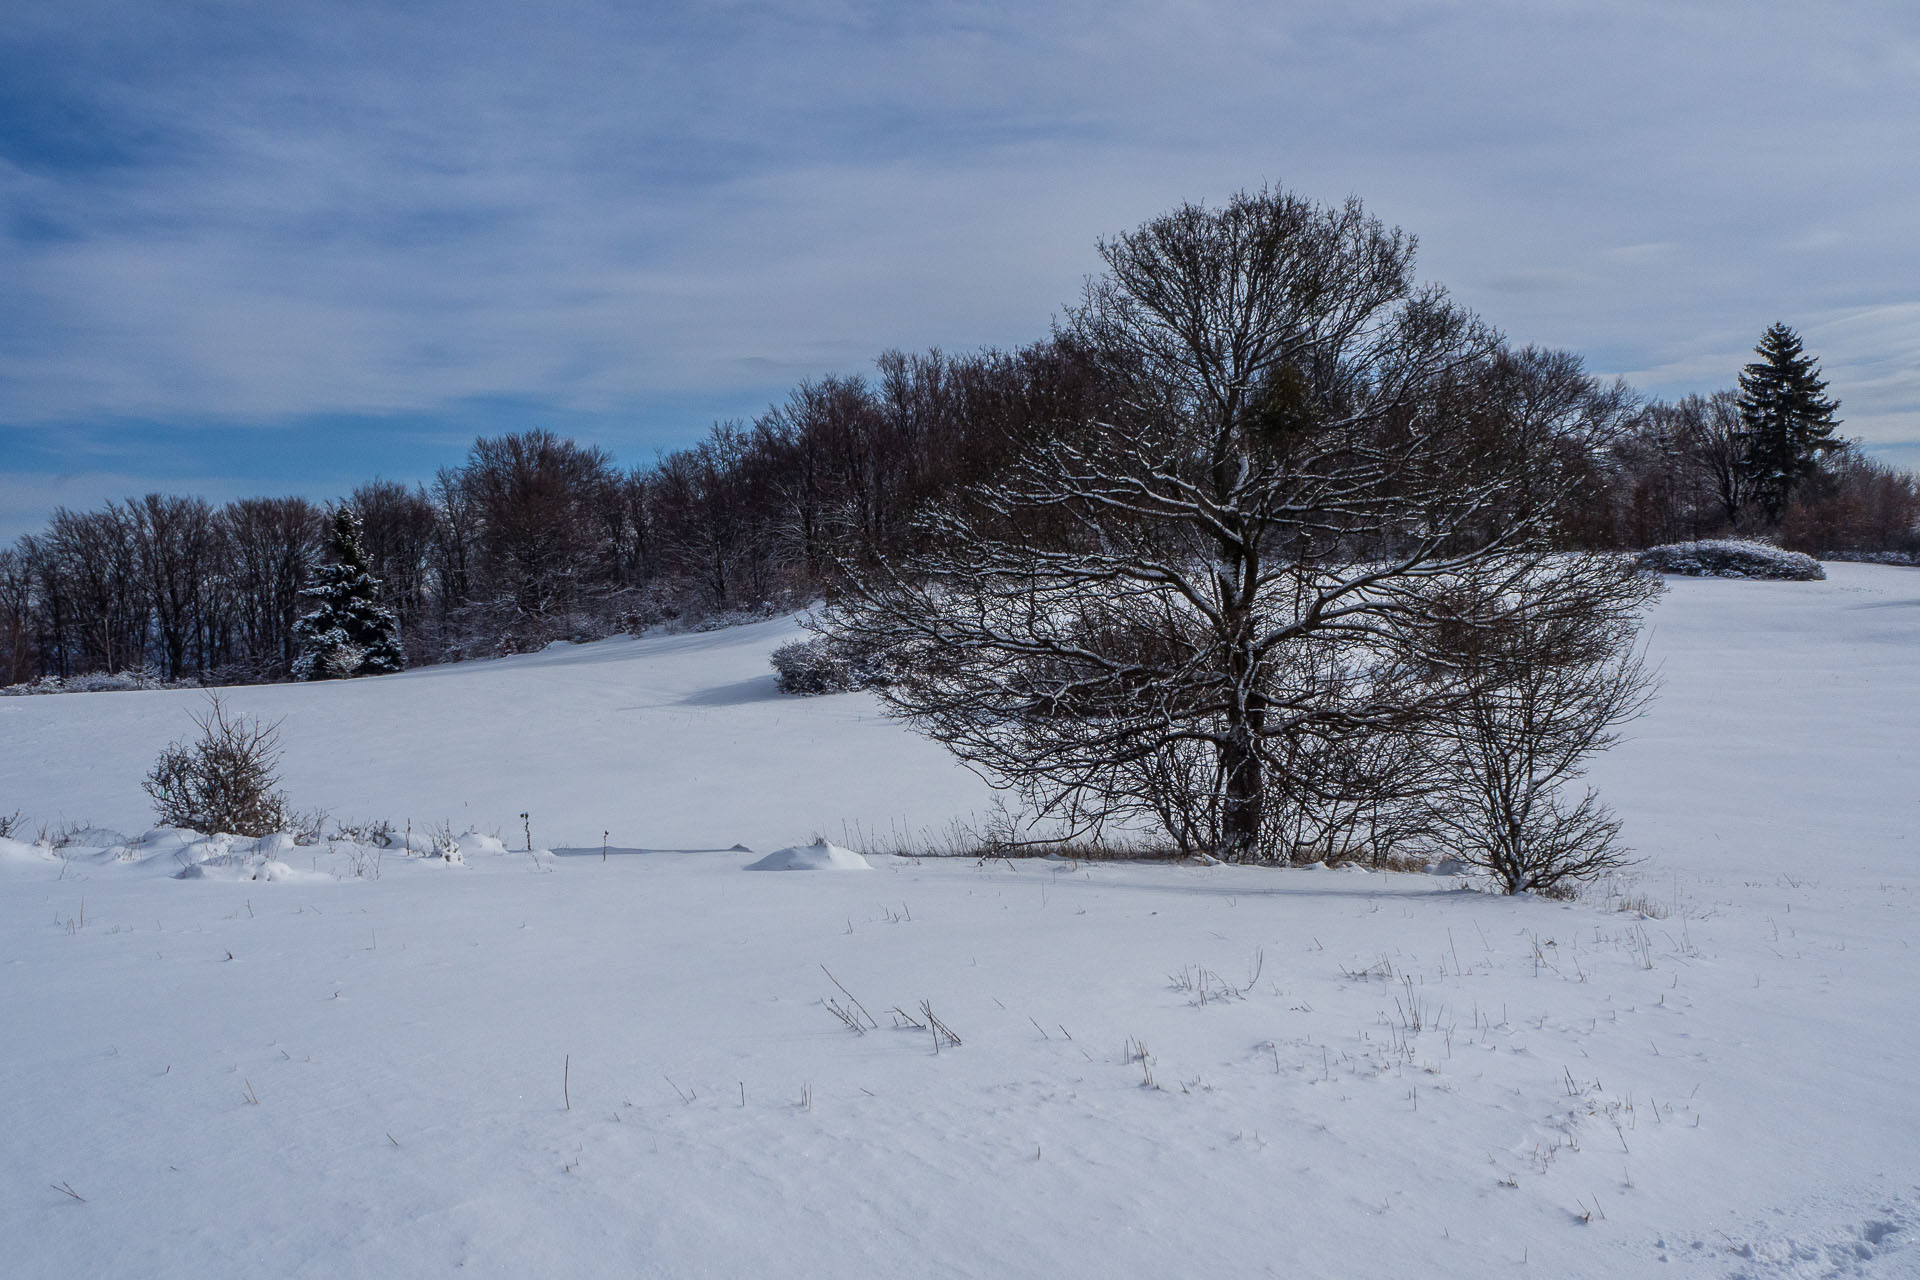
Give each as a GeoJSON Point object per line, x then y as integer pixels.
{"type": "Point", "coordinates": [256, 248]}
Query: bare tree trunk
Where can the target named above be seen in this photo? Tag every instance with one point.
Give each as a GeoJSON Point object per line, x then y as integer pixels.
{"type": "Point", "coordinates": [1242, 760]}
{"type": "Point", "coordinates": [1242, 816]}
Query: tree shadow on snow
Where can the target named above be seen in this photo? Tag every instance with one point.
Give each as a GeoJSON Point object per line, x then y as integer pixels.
{"type": "Point", "coordinates": [1295, 882]}
{"type": "Point", "coordinates": [739, 693]}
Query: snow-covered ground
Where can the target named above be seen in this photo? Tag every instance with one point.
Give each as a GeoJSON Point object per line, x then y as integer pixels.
{"type": "Point", "coordinates": [529, 1065]}
{"type": "Point", "coordinates": [680, 742]}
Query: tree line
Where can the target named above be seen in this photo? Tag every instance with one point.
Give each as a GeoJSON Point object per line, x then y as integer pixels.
{"type": "Point", "coordinates": [534, 537]}
{"type": "Point", "coordinates": [1763, 459]}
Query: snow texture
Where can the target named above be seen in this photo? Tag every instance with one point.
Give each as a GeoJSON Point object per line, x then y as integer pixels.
{"type": "Point", "coordinates": [1731, 558]}
{"type": "Point", "coordinates": [516, 1064]}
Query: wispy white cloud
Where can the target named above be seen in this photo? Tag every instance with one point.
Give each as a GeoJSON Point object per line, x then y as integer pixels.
{"type": "Point", "coordinates": [264, 213]}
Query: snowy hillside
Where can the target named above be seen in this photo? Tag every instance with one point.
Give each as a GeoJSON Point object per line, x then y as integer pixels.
{"type": "Point", "coordinates": [678, 742]}
{"type": "Point", "coordinates": [658, 1065]}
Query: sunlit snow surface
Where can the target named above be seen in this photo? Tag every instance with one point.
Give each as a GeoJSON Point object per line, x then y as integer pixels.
{"type": "Point", "coordinates": [516, 1064]}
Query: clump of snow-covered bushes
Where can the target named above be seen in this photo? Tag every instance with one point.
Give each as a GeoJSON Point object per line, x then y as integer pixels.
{"type": "Point", "coordinates": [95, 682]}
{"type": "Point", "coordinates": [1731, 558]}
{"type": "Point", "coordinates": [828, 664]}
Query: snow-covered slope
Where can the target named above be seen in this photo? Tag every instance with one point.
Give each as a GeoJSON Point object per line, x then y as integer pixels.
{"type": "Point", "coordinates": [527, 1065]}
{"type": "Point", "coordinates": [675, 742]}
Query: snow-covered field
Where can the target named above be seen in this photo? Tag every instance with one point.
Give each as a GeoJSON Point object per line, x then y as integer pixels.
{"type": "Point", "coordinates": [533, 1065]}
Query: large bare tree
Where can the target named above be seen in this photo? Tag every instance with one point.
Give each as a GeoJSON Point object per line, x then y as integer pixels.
{"type": "Point", "coordinates": [1205, 593]}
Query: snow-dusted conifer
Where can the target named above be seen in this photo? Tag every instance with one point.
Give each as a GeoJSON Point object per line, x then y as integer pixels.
{"type": "Point", "coordinates": [1787, 419]}
{"type": "Point", "coordinates": [349, 633]}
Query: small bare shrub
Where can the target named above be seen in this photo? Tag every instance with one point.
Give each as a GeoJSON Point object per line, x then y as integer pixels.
{"type": "Point", "coordinates": [223, 781]}
{"type": "Point", "coordinates": [10, 823]}
{"type": "Point", "coordinates": [308, 826]}
{"type": "Point", "coordinates": [830, 664]}
{"type": "Point", "coordinates": [1544, 693]}
{"type": "Point", "coordinates": [375, 832]}
{"type": "Point", "coordinates": [364, 860]}
{"type": "Point", "coordinates": [1642, 905]}
{"type": "Point", "coordinates": [447, 846]}
{"type": "Point", "coordinates": [65, 834]}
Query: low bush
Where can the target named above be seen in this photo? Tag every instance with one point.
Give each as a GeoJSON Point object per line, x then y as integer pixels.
{"type": "Point", "coordinates": [827, 664]}
{"type": "Point", "coordinates": [808, 667]}
{"type": "Point", "coordinates": [1731, 558]}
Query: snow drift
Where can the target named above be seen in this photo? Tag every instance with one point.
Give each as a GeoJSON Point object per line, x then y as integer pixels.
{"type": "Point", "coordinates": [821, 855]}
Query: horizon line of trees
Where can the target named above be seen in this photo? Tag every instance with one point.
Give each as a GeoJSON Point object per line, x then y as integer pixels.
{"type": "Point", "coordinates": [535, 537]}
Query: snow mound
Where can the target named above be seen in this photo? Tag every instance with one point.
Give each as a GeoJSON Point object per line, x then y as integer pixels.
{"type": "Point", "coordinates": [264, 870]}
{"type": "Point", "coordinates": [1731, 558]}
{"type": "Point", "coordinates": [818, 856]}
{"type": "Point", "coordinates": [21, 851]}
{"type": "Point", "coordinates": [229, 857]}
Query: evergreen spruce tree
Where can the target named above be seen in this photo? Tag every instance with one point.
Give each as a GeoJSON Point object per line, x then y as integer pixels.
{"type": "Point", "coordinates": [1787, 423]}
{"type": "Point", "coordinates": [349, 633]}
